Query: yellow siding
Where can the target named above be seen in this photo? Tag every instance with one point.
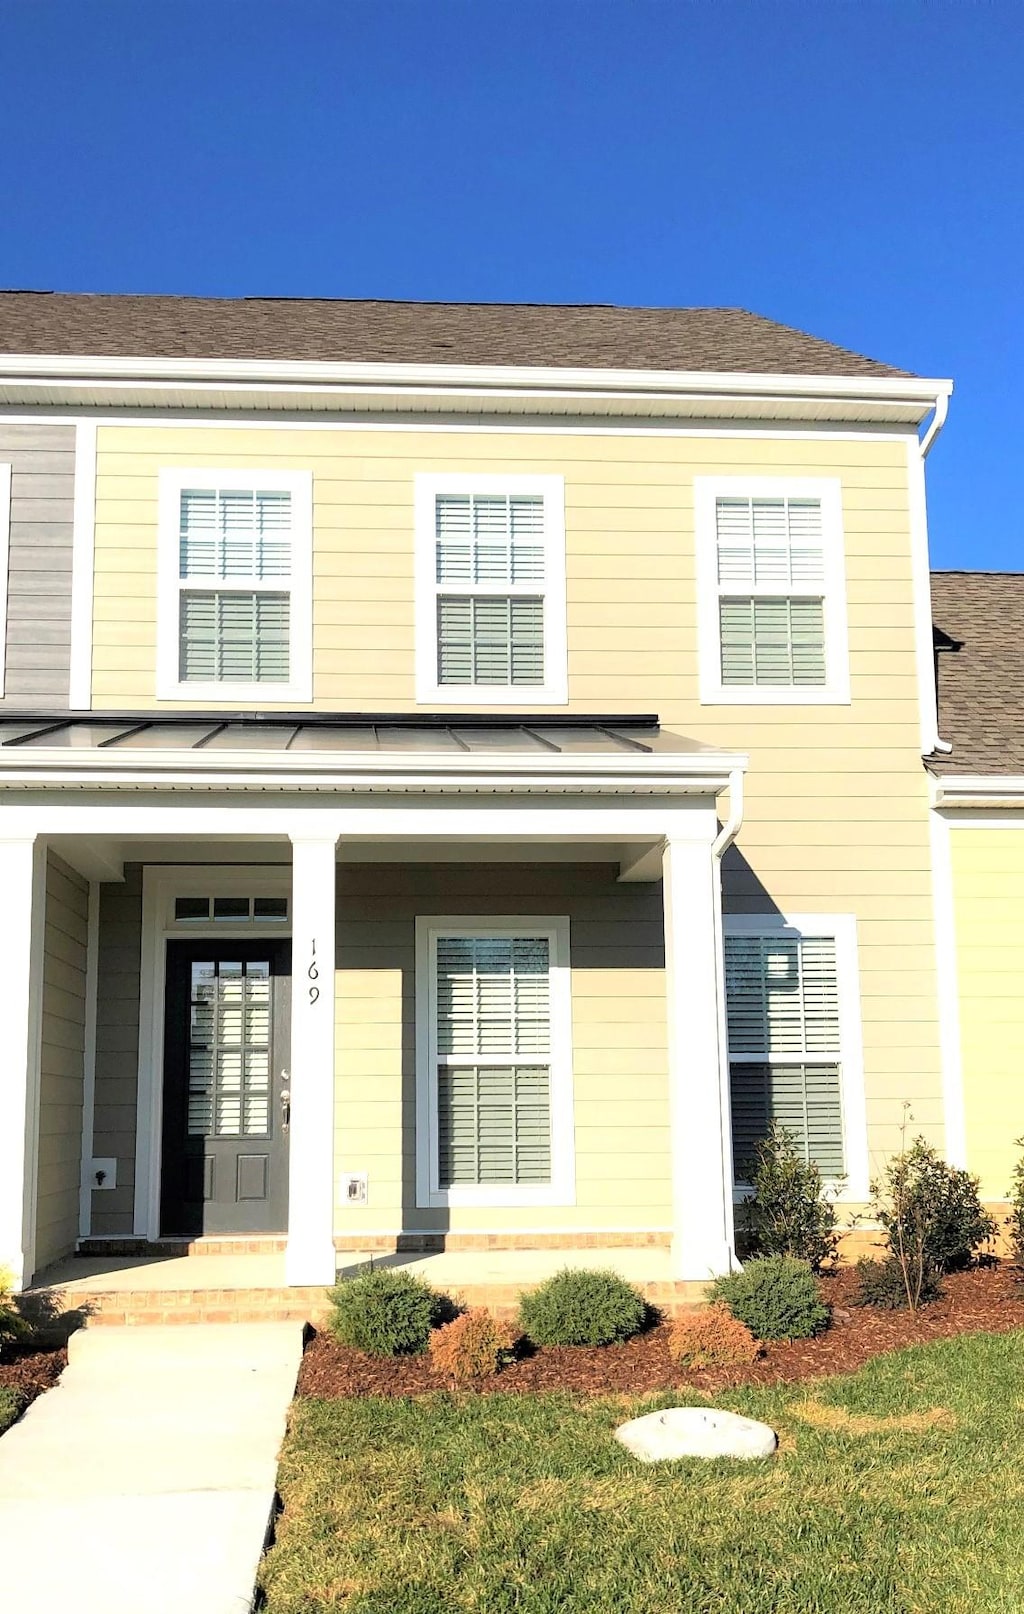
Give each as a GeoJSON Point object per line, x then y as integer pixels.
{"type": "Point", "coordinates": [836, 798]}
{"type": "Point", "coordinates": [988, 894]}
{"type": "Point", "coordinates": [619, 1039]}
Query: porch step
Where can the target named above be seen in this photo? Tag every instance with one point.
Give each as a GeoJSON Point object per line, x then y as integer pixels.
{"type": "Point", "coordinates": [172, 1249]}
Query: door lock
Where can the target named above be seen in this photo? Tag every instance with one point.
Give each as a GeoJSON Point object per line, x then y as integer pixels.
{"type": "Point", "coordinates": [286, 1103]}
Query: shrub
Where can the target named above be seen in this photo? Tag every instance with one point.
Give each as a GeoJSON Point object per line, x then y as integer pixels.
{"type": "Point", "coordinates": [474, 1345]}
{"type": "Point", "coordinates": [788, 1213]}
{"type": "Point", "coordinates": [931, 1214]}
{"type": "Point", "coordinates": [883, 1284]}
{"type": "Point", "coordinates": [12, 1325]}
{"type": "Point", "coordinates": [582, 1308]}
{"type": "Point", "coordinates": [1015, 1220]}
{"type": "Point", "coordinates": [711, 1337]}
{"type": "Point", "coordinates": [776, 1297]}
{"type": "Point", "coordinates": [385, 1312]}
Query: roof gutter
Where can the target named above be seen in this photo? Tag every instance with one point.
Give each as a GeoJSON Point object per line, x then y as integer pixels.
{"type": "Point", "coordinates": [936, 424]}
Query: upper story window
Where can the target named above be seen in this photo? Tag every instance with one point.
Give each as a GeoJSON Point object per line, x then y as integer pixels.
{"type": "Point", "coordinates": [772, 591]}
{"type": "Point", "coordinates": [490, 587]}
{"type": "Point", "coordinates": [235, 586]}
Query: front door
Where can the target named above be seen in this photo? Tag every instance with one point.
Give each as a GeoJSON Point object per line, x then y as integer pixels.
{"type": "Point", "coordinates": [225, 1125]}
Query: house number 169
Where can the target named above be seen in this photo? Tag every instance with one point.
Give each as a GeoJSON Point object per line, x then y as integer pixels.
{"type": "Point", "coordinates": [314, 974]}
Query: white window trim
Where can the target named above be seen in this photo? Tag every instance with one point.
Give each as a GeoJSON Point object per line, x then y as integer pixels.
{"type": "Point", "coordinates": [562, 1188]}
{"type": "Point", "coordinates": [836, 689]}
{"type": "Point", "coordinates": [299, 688]}
{"type": "Point", "coordinates": [854, 1185]}
{"type": "Point", "coordinates": [555, 689]}
{"type": "Point", "coordinates": [5, 566]}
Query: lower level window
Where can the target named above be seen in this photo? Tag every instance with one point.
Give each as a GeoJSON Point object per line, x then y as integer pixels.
{"type": "Point", "coordinates": [496, 1068]}
{"type": "Point", "coordinates": [782, 994]}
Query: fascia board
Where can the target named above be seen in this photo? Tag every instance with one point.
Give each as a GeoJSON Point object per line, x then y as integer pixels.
{"type": "Point", "coordinates": [969, 790]}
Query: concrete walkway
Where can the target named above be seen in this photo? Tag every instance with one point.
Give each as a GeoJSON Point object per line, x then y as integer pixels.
{"type": "Point", "coordinates": [144, 1483]}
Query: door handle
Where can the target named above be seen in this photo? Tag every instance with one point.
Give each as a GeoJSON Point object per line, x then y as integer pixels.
{"type": "Point", "coordinates": [286, 1103]}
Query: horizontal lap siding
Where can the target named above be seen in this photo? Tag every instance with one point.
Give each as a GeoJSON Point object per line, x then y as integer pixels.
{"type": "Point", "coordinates": [117, 1048]}
{"type": "Point", "coordinates": [836, 816]}
{"type": "Point", "coordinates": [619, 1057]}
{"type": "Point", "coordinates": [42, 461]}
{"type": "Point", "coordinates": [61, 1070]}
{"type": "Point", "coordinates": [988, 893]}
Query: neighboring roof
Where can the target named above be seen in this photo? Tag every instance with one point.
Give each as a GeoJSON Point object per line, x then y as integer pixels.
{"type": "Point", "coordinates": [574, 336]}
{"type": "Point", "coordinates": [978, 622]}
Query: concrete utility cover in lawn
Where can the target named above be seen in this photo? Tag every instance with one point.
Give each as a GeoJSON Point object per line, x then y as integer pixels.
{"type": "Point", "coordinates": [695, 1432]}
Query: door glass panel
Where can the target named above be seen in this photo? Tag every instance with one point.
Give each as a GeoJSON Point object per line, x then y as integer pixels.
{"type": "Point", "coordinates": [229, 1057]}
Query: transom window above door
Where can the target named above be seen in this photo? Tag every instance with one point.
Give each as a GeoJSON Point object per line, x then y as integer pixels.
{"type": "Point", "coordinates": [235, 610]}
{"type": "Point", "coordinates": [490, 590]}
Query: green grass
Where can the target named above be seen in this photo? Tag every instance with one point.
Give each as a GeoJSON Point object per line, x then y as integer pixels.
{"type": "Point", "coordinates": [526, 1505]}
{"type": "Point", "coordinates": [10, 1406]}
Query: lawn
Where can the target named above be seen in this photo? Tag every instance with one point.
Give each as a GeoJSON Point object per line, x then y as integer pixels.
{"type": "Point", "coordinates": [897, 1490]}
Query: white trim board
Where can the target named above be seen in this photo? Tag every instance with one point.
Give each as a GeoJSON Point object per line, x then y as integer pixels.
{"type": "Point", "coordinates": [89, 1060]}
{"type": "Point", "coordinates": [948, 986]}
{"type": "Point", "coordinates": [159, 884]}
{"type": "Point", "coordinates": [5, 558]}
{"type": "Point", "coordinates": [562, 1188]}
{"type": "Point", "coordinates": [855, 1184]}
{"type": "Point", "coordinates": [83, 567]}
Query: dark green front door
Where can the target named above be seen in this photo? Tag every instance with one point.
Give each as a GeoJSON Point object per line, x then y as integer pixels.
{"type": "Point", "coordinates": [225, 1136]}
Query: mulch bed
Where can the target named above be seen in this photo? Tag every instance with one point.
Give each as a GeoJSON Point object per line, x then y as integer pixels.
{"type": "Point", "coordinates": [989, 1300]}
{"type": "Point", "coordinates": [29, 1372]}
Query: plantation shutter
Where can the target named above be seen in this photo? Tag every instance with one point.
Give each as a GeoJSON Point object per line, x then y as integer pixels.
{"type": "Point", "coordinates": [775, 635]}
{"type": "Point", "coordinates": [490, 548]}
{"type": "Point", "coordinates": [493, 1036]}
{"type": "Point", "coordinates": [783, 1015]}
{"type": "Point", "coordinates": [235, 634]}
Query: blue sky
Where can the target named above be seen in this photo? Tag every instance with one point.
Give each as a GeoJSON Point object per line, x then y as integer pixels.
{"type": "Point", "coordinates": [852, 167]}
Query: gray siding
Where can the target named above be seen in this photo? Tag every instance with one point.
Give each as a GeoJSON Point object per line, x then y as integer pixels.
{"type": "Point", "coordinates": [61, 1076]}
{"type": "Point", "coordinates": [42, 461]}
{"type": "Point", "coordinates": [117, 1047]}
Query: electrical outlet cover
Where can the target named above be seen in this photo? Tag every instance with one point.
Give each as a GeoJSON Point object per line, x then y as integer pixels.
{"type": "Point", "coordinates": [103, 1173]}
{"type": "Point", "coordinates": [355, 1188]}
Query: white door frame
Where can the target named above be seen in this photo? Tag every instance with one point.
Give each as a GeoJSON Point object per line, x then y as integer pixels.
{"type": "Point", "coordinates": [161, 883]}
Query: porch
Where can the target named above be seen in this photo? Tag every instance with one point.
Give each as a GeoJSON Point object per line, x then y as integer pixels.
{"type": "Point", "coordinates": [604, 856]}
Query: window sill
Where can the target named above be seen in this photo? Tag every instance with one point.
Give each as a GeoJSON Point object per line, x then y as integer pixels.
{"type": "Point", "coordinates": [774, 695]}
{"type": "Point", "coordinates": [231, 694]}
{"type": "Point", "coordinates": [462, 695]}
{"type": "Point", "coordinates": [496, 1198]}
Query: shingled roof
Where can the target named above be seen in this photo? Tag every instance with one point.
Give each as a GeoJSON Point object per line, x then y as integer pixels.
{"type": "Point", "coordinates": [978, 631]}
{"type": "Point", "coordinates": [585, 336]}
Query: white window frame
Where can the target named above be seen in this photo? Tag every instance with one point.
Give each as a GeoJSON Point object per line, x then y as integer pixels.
{"type": "Point", "coordinates": [835, 691]}
{"type": "Point", "coordinates": [5, 567]}
{"type": "Point", "coordinates": [562, 1188]}
{"type": "Point", "coordinates": [298, 690]}
{"type": "Point", "coordinates": [854, 1185]}
{"type": "Point", "coordinates": [555, 689]}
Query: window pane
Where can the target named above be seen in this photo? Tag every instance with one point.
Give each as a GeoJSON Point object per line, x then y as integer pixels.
{"type": "Point", "coordinates": [490, 639]}
{"type": "Point", "coordinates": [234, 637]}
{"type": "Point", "coordinates": [270, 907]}
{"type": "Point", "coordinates": [775, 542]}
{"type": "Point", "coordinates": [766, 642]}
{"type": "Point", "coordinates": [233, 532]}
{"type": "Point", "coordinates": [489, 538]}
{"type": "Point", "coordinates": [782, 995]}
{"type": "Point", "coordinates": [231, 907]}
{"type": "Point", "coordinates": [803, 1098]}
{"type": "Point", "coordinates": [493, 996]}
{"type": "Point", "coordinates": [191, 907]}
{"type": "Point", "coordinates": [494, 1124]}
{"type": "Point", "coordinates": [229, 1050]}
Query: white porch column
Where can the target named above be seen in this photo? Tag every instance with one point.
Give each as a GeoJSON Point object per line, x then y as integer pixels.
{"type": "Point", "coordinates": [23, 883]}
{"type": "Point", "coordinates": [309, 1257]}
{"type": "Point", "coordinates": [702, 1220]}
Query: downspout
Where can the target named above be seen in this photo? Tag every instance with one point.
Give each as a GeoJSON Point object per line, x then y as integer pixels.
{"type": "Point", "coordinates": [719, 846]}
{"type": "Point", "coordinates": [938, 420]}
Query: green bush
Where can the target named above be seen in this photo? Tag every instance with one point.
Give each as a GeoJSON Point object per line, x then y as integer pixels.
{"type": "Point", "coordinates": [1015, 1220]}
{"type": "Point", "coordinates": [582, 1308]}
{"type": "Point", "coordinates": [12, 1325]}
{"type": "Point", "coordinates": [385, 1312]}
{"type": "Point", "coordinates": [884, 1284]}
{"type": "Point", "coordinates": [776, 1297]}
{"type": "Point", "coordinates": [931, 1212]}
{"type": "Point", "coordinates": [787, 1213]}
